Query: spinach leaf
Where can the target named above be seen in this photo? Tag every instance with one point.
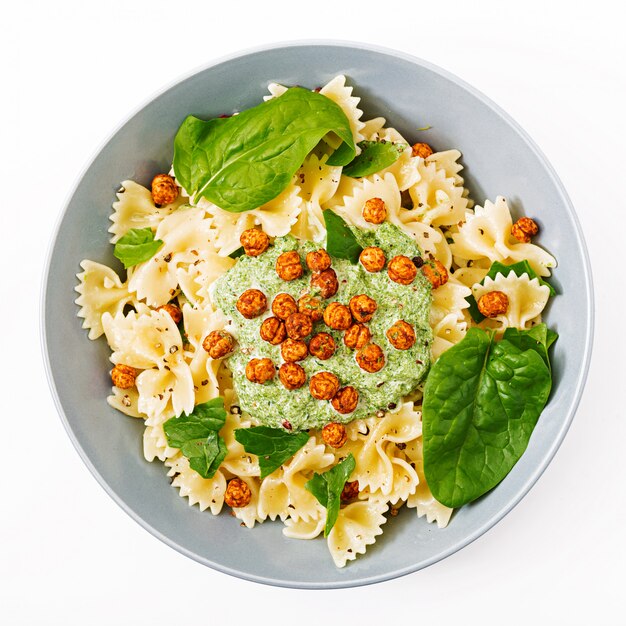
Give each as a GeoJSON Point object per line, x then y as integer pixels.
{"type": "Point", "coordinates": [340, 240]}
{"type": "Point", "coordinates": [327, 488]}
{"type": "Point", "coordinates": [273, 446]}
{"type": "Point", "coordinates": [237, 253]}
{"type": "Point", "coordinates": [197, 436]}
{"type": "Point", "coordinates": [136, 246]}
{"type": "Point", "coordinates": [375, 156]}
{"type": "Point", "coordinates": [245, 160]}
{"type": "Point", "coordinates": [538, 338]}
{"type": "Point", "coordinates": [481, 402]}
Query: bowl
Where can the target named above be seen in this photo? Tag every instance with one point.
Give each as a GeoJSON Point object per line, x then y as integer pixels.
{"type": "Point", "coordinates": [500, 159]}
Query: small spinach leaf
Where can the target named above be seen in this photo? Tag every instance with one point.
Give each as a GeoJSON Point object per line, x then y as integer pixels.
{"type": "Point", "coordinates": [538, 338]}
{"type": "Point", "coordinates": [237, 253]}
{"type": "Point", "coordinates": [340, 240]}
{"type": "Point", "coordinates": [136, 246]}
{"type": "Point", "coordinates": [375, 156]}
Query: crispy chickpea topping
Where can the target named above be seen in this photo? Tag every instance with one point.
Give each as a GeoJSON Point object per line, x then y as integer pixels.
{"type": "Point", "coordinates": [175, 313]}
{"type": "Point", "coordinates": [401, 335]}
{"type": "Point", "coordinates": [322, 346]}
{"type": "Point", "coordinates": [436, 273]}
{"type": "Point", "coordinates": [254, 241]}
{"type": "Point", "coordinates": [237, 494]}
{"type": "Point", "coordinates": [323, 386]}
{"type": "Point", "coordinates": [311, 306]}
{"type": "Point", "coordinates": [260, 370]}
{"type": "Point", "coordinates": [288, 265]}
{"type": "Point", "coordinates": [524, 229]}
{"type": "Point", "coordinates": [334, 435]}
{"type": "Point", "coordinates": [402, 270]}
{"type": "Point", "coordinates": [345, 400]}
{"type": "Point", "coordinates": [357, 336]}
{"type": "Point", "coordinates": [362, 308]}
{"type": "Point", "coordinates": [123, 376]}
{"type": "Point", "coordinates": [326, 282]}
{"type": "Point", "coordinates": [284, 305]}
{"type": "Point", "coordinates": [421, 150]}
{"type": "Point", "coordinates": [350, 491]}
{"type": "Point", "coordinates": [292, 375]}
{"type": "Point", "coordinates": [375, 211]}
{"type": "Point", "coordinates": [373, 259]}
{"type": "Point", "coordinates": [493, 303]}
{"type": "Point", "coordinates": [164, 189]}
{"type": "Point", "coordinates": [337, 316]}
{"type": "Point", "coordinates": [318, 260]}
{"type": "Point", "coordinates": [273, 330]}
{"type": "Point", "coordinates": [252, 303]}
{"type": "Point", "coordinates": [298, 325]}
{"type": "Point", "coordinates": [219, 343]}
{"type": "Point", "coordinates": [293, 350]}
{"type": "Point", "coordinates": [370, 358]}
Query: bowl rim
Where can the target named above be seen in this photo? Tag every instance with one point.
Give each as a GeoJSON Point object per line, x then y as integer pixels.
{"type": "Point", "coordinates": [575, 397]}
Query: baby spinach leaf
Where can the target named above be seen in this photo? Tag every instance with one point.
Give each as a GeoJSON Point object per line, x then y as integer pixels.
{"type": "Point", "coordinates": [481, 402]}
{"type": "Point", "coordinates": [538, 338]}
{"type": "Point", "coordinates": [340, 240]}
{"type": "Point", "coordinates": [375, 156]}
{"type": "Point", "coordinates": [243, 161]}
{"type": "Point", "coordinates": [237, 253]}
{"type": "Point", "coordinates": [136, 246]}
{"type": "Point", "coordinates": [327, 488]}
{"type": "Point", "coordinates": [273, 446]}
{"type": "Point", "coordinates": [205, 455]}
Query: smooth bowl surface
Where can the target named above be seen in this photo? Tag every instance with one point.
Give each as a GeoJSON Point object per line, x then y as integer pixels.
{"type": "Point", "coordinates": [499, 159]}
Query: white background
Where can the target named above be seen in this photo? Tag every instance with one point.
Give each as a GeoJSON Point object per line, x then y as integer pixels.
{"type": "Point", "coordinates": [71, 72]}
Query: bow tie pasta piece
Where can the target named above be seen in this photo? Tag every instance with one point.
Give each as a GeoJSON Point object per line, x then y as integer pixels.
{"type": "Point", "coordinates": [448, 331]}
{"type": "Point", "coordinates": [155, 443]}
{"type": "Point", "coordinates": [196, 278]}
{"type": "Point", "coordinates": [301, 529]}
{"type": "Point", "coordinates": [449, 299]}
{"type": "Point", "coordinates": [125, 400]}
{"type": "Point", "coordinates": [372, 127]}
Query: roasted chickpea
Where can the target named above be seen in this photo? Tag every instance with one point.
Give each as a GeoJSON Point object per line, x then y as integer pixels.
{"type": "Point", "coordinates": [375, 211]}
{"type": "Point", "coordinates": [174, 312]}
{"type": "Point", "coordinates": [357, 336]}
{"type": "Point", "coordinates": [402, 270]}
{"type": "Point", "coordinates": [350, 491]}
{"type": "Point", "coordinates": [345, 400]}
{"type": "Point", "coordinates": [284, 305]}
{"type": "Point", "coordinates": [337, 316]}
{"type": "Point", "coordinates": [292, 375]}
{"type": "Point", "coordinates": [164, 189]}
{"type": "Point", "coordinates": [435, 272]}
{"type": "Point", "coordinates": [370, 358]}
{"type": "Point", "coordinates": [273, 330]}
{"type": "Point", "coordinates": [237, 493]}
{"type": "Point", "coordinates": [325, 282]}
{"type": "Point", "coordinates": [373, 259]}
{"type": "Point", "coordinates": [293, 350]}
{"type": "Point", "coordinates": [311, 306]}
{"type": "Point", "coordinates": [493, 303]}
{"type": "Point", "coordinates": [323, 385]}
{"type": "Point", "coordinates": [362, 308]}
{"type": "Point", "coordinates": [298, 325]}
{"type": "Point", "coordinates": [288, 265]}
{"type": "Point", "coordinates": [322, 346]}
{"type": "Point", "coordinates": [524, 229]}
{"type": "Point", "coordinates": [252, 303]}
{"type": "Point", "coordinates": [123, 376]}
{"type": "Point", "coordinates": [219, 343]}
{"type": "Point", "coordinates": [334, 435]}
{"type": "Point", "coordinates": [401, 335]}
{"type": "Point", "coordinates": [260, 370]}
{"type": "Point", "coordinates": [318, 260]}
{"type": "Point", "coordinates": [421, 150]}
{"type": "Point", "coordinates": [254, 241]}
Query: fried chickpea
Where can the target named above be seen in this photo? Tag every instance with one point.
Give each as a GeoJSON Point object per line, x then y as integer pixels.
{"type": "Point", "coordinates": [318, 260]}
{"type": "Point", "coordinates": [260, 370]}
{"type": "Point", "coordinates": [357, 336]}
{"type": "Point", "coordinates": [254, 241]}
{"type": "Point", "coordinates": [337, 316]}
{"type": "Point", "coordinates": [298, 325]}
{"type": "Point", "coordinates": [334, 435]}
{"type": "Point", "coordinates": [252, 303]}
{"type": "Point", "coordinates": [370, 358]}
{"type": "Point", "coordinates": [401, 335]}
{"type": "Point", "coordinates": [402, 270]}
{"type": "Point", "coordinates": [324, 386]}
{"type": "Point", "coordinates": [311, 306]}
{"type": "Point", "coordinates": [174, 312]}
{"type": "Point", "coordinates": [164, 189]}
{"type": "Point", "coordinates": [273, 330]}
{"type": "Point", "coordinates": [421, 150]}
{"type": "Point", "coordinates": [524, 229]}
{"type": "Point", "coordinates": [350, 491]}
{"type": "Point", "coordinates": [292, 375]}
{"type": "Point", "coordinates": [284, 305]}
{"type": "Point", "coordinates": [362, 308]}
{"type": "Point", "coordinates": [375, 211]}
{"type": "Point", "coordinates": [288, 265]}
{"type": "Point", "coordinates": [372, 259]}
{"type": "Point", "coordinates": [326, 282]}
{"type": "Point", "coordinates": [493, 303]}
{"type": "Point", "coordinates": [293, 350]}
{"type": "Point", "coordinates": [237, 493]}
{"type": "Point", "coordinates": [322, 346]}
{"type": "Point", "coordinates": [345, 400]}
{"type": "Point", "coordinates": [123, 376]}
{"type": "Point", "coordinates": [218, 343]}
{"type": "Point", "coordinates": [436, 273]}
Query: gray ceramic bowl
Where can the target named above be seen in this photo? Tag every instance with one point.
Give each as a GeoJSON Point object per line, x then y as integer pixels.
{"type": "Point", "coordinates": [499, 158]}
